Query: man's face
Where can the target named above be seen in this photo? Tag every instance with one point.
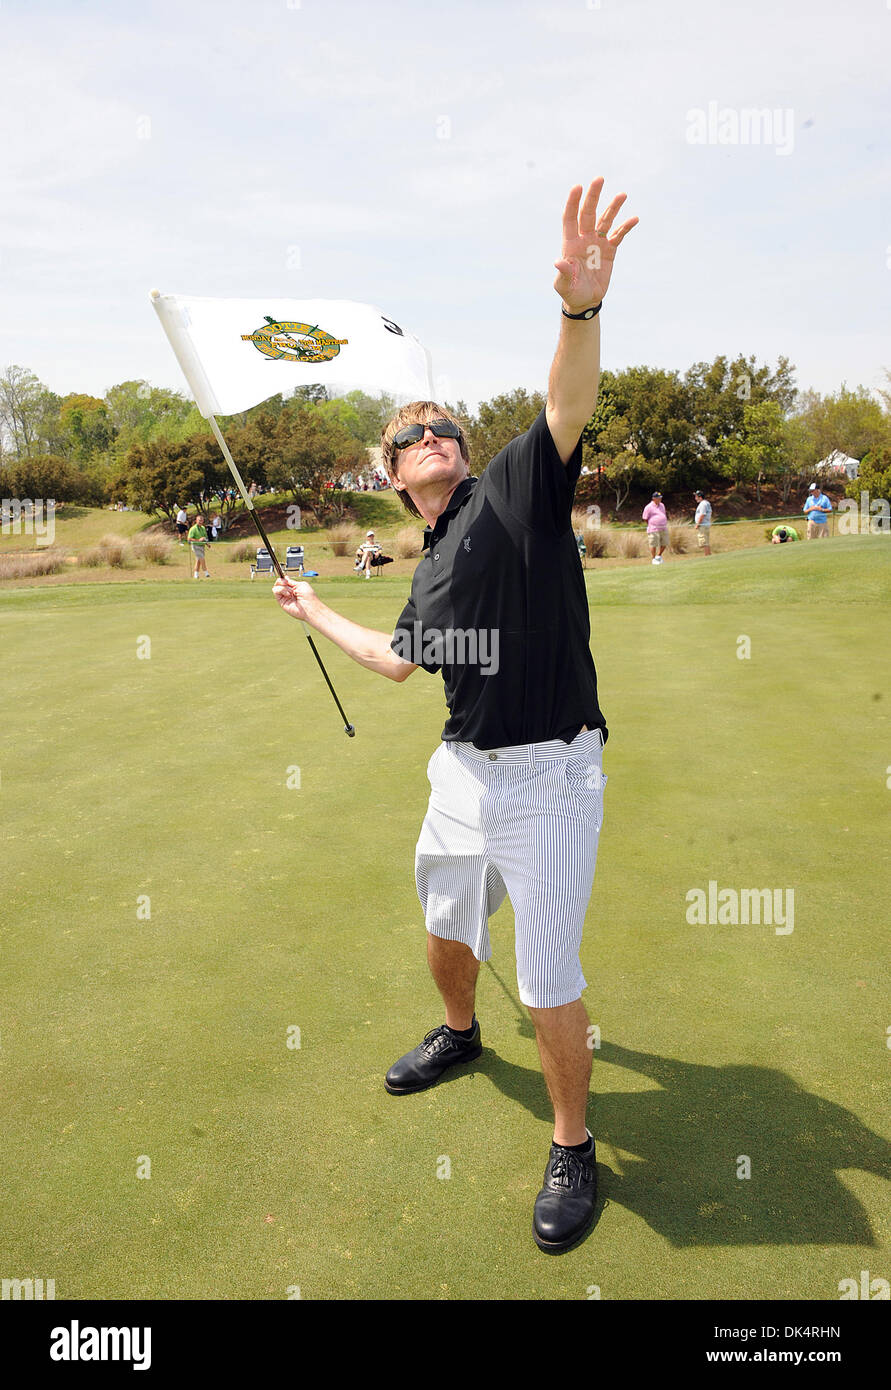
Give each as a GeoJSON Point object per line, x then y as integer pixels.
{"type": "Point", "coordinates": [431, 460]}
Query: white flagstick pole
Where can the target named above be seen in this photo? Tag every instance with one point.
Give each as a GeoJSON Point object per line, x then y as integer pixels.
{"type": "Point", "coordinates": [248, 500]}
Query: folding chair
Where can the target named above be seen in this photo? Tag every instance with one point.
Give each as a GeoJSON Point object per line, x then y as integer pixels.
{"type": "Point", "coordinates": [263, 563]}
{"type": "Point", "coordinates": [294, 559]}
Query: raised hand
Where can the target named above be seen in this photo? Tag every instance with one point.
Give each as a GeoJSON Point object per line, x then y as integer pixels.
{"type": "Point", "coordinates": [589, 247]}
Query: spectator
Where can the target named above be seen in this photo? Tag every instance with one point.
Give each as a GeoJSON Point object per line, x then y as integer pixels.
{"type": "Point", "coordinates": [781, 534]}
{"type": "Point", "coordinates": [198, 540]}
{"type": "Point", "coordinates": [817, 509]}
{"type": "Point", "coordinates": [703, 523]}
{"type": "Point", "coordinates": [656, 517]}
{"type": "Point", "coordinates": [366, 553]}
{"type": "Point", "coordinates": [216, 527]}
{"type": "Point", "coordinates": [182, 524]}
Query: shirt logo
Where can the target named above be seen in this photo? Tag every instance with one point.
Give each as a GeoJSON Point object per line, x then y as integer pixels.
{"type": "Point", "coordinates": [467, 543]}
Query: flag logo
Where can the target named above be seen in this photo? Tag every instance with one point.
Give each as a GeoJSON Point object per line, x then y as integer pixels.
{"type": "Point", "coordinates": [286, 341]}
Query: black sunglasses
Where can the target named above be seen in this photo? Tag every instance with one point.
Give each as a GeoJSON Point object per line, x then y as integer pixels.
{"type": "Point", "coordinates": [413, 434]}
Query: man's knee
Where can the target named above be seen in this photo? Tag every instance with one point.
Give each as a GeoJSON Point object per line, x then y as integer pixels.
{"type": "Point", "coordinates": [558, 1015]}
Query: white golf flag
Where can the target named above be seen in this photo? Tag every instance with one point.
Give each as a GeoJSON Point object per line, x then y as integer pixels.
{"type": "Point", "coordinates": [237, 352]}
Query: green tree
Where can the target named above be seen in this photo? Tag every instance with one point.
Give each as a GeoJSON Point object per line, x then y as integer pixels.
{"type": "Point", "coordinates": [85, 422]}
{"type": "Point", "coordinates": [850, 422]}
{"type": "Point", "coordinates": [48, 476]}
{"type": "Point", "coordinates": [797, 457]}
{"type": "Point", "coordinates": [497, 422]}
{"type": "Point", "coordinates": [604, 411]}
{"type": "Point", "coordinates": [721, 390]}
{"type": "Point", "coordinates": [874, 477]}
{"type": "Point", "coordinates": [25, 411]}
{"type": "Point", "coordinates": [624, 471]}
{"type": "Point", "coordinates": [158, 476]}
{"type": "Point", "coordinates": [369, 415]}
{"type": "Point", "coordinates": [309, 450]}
{"type": "Point", "coordinates": [137, 412]}
{"type": "Point", "coordinates": [661, 429]}
{"type": "Point", "coordinates": [754, 453]}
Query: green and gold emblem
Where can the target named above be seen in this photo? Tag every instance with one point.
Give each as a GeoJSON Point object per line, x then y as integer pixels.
{"type": "Point", "coordinates": [283, 340]}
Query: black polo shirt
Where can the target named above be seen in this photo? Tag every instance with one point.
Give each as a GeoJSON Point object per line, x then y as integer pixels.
{"type": "Point", "coordinates": [498, 602]}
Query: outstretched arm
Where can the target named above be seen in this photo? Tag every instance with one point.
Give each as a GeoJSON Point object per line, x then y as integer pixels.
{"type": "Point", "coordinates": [369, 648]}
{"type": "Point", "coordinates": [584, 270]}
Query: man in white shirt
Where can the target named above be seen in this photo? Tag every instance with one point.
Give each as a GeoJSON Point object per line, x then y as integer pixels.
{"type": "Point", "coordinates": [703, 523]}
{"type": "Point", "coordinates": [182, 525]}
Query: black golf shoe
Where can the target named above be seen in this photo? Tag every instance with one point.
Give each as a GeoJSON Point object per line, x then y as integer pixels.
{"type": "Point", "coordinates": [423, 1066]}
{"type": "Point", "coordinates": [564, 1208]}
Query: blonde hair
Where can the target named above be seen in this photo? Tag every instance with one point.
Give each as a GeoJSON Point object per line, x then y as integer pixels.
{"type": "Point", "coordinates": [417, 413]}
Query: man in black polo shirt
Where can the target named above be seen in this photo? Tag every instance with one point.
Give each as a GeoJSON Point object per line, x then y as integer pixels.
{"type": "Point", "coordinates": [498, 606]}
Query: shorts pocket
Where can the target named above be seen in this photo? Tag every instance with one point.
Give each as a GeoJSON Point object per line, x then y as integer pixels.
{"type": "Point", "coordinates": [586, 781]}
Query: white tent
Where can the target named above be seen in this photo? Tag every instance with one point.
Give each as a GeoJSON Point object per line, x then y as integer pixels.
{"type": "Point", "coordinates": [839, 463]}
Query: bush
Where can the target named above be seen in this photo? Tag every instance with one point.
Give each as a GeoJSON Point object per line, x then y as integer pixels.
{"type": "Point", "coordinates": [344, 538]}
{"type": "Point", "coordinates": [154, 549]}
{"type": "Point", "coordinates": [243, 550]}
{"type": "Point", "coordinates": [91, 558]}
{"type": "Point", "coordinates": [115, 551]}
{"type": "Point", "coordinates": [681, 538]}
{"type": "Point", "coordinates": [408, 543]}
{"type": "Point", "coordinates": [598, 541]}
{"type": "Point", "coordinates": [46, 476]}
{"type": "Point", "coordinates": [595, 536]}
{"type": "Point", "coordinates": [631, 545]}
{"type": "Point", "coordinates": [31, 563]}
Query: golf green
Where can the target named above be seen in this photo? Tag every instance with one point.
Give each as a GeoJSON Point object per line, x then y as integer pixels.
{"type": "Point", "coordinates": [200, 872]}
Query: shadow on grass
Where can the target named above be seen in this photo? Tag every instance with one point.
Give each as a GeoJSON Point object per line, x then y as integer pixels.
{"type": "Point", "coordinates": [682, 1146]}
{"type": "Point", "coordinates": [73, 511]}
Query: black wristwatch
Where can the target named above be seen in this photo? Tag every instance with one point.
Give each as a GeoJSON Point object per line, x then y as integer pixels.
{"type": "Point", "coordinates": [585, 314]}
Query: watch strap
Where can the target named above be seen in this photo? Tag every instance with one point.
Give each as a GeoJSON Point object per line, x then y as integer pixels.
{"type": "Point", "coordinates": [585, 314]}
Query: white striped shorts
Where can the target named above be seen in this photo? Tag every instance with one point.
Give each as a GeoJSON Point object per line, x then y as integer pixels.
{"type": "Point", "coordinates": [522, 821]}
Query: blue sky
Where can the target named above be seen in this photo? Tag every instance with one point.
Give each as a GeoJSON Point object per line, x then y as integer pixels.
{"type": "Point", "coordinates": [418, 155]}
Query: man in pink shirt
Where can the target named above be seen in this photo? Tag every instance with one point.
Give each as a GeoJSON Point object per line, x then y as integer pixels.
{"type": "Point", "coordinates": [656, 517]}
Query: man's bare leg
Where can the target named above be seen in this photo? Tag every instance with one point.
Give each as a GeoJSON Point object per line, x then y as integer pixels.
{"type": "Point", "coordinates": [562, 1037]}
{"type": "Point", "coordinates": [454, 967]}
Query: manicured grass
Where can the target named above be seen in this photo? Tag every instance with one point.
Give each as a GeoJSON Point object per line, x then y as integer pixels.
{"type": "Point", "coordinates": [158, 786]}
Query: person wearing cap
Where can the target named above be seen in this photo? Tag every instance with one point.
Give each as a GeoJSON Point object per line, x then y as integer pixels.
{"type": "Point", "coordinates": [817, 509]}
{"type": "Point", "coordinates": [783, 533]}
{"type": "Point", "coordinates": [656, 517]}
{"type": "Point", "coordinates": [703, 523]}
{"type": "Point", "coordinates": [366, 553]}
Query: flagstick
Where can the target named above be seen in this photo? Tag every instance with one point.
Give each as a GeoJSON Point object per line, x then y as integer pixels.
{"type": "Point", "coordinates": [347, 726]}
